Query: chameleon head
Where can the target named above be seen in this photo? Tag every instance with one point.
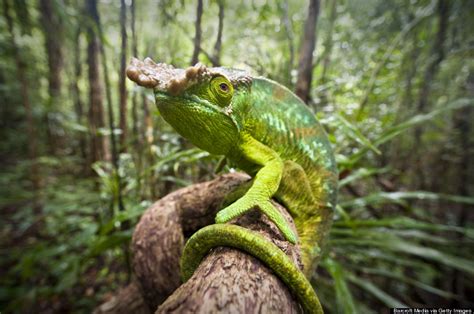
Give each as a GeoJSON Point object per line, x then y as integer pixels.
{"type": "Point", "coordinates": [196, 101]}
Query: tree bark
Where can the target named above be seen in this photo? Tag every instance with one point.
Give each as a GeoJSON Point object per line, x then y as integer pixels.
{"type": "Point", "coordinates": [216, 58]}
{"type": "Point", "coordinates": [305, 65]}
{"type": "Point", "coordinates": [463, 124]}
{"type": "Point", "coordinates": [408, 72]}
{"type": "Point", "coordinates": [147, 139]}
{"type": "Point", "coordinates": [227, 280]}
{"type": "Point", "coordinates": [327, 52]}
{"type": "Point", "coordinates": [52, 28]}
{"type": "Point", "coordinates": [438, 55]}
{"type": "Point", "coordinates": [76, 94]}
{"type": "Point", "coordinates": [136, 136]}
{"type": "Point", "coordinates": [96, 110]}
{"type": "Point", "coordinates": [118, 197]}
{"type": "Point", "coordinates": [25, 99]}
{"type": "Point", "coordinates": [290, 37]}
{"type": "Point", "coordinates": [22, 12]}
{"type": "Point", "coordinates": [127, 300]}
{"type": "Point", "coordinates": [122, 84]}
{"type": "Point", "coordinates": [197, 35]}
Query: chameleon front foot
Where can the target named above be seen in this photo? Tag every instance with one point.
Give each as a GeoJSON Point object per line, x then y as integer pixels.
{"type": "Point", "coordinates": [245, 203]}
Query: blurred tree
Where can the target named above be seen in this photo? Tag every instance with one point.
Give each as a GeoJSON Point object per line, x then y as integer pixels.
{"type": "Point", "coordinates": [305, 64]}
{"type": "Point", "coordinates": [327, 52]}
{"type": "Point", "coordinates": [216, 56]}
{"type": "Point", "coordinates": [96, 111]}
{"type": "Point", "coordinates": [437, 56]}
{"type": "Point", "coordinates": [197, 34]}
{"type": "Point", "coordinates": [53, 32]}
{"type": "Point", "coordinates": [31, 129]}
{"type": "Point", "coordinates": [136, 136]}
{"type": "Point", "coordinates": [122, 78]}
{"type": "Point", "coordinates": [76, 95]}
{"type": "Point", "coordinates": [286, 21]}
{"type": "Point", "coordinates": [22, 11]}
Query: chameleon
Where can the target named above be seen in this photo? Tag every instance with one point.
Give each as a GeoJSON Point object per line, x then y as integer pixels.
{"type": "Point", "coordinates": [264, 129]}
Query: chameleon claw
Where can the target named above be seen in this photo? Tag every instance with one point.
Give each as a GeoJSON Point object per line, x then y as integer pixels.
{"type": "Point", "coordinates": [279, 220]}
{"type": "Point", "coordinates": [232, 211]}
{"type": "Point", "coordinates": [241, 206]}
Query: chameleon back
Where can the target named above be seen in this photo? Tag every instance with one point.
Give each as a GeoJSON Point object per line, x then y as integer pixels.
{"type": "Point", "coordinates": [280, 120]}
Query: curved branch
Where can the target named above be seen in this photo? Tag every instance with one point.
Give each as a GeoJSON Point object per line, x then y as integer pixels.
{"type": "Point", "coordinates": [227, 279]}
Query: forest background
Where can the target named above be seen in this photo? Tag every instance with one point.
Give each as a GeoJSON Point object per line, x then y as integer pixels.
{"type": "Point", "coordinates": [84, 151]}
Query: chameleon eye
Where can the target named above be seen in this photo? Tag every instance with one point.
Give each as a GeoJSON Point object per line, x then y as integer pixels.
{"type": "Point", "coordinates": [224, 87]}
{"type": "Point", "coordinates": [221, 90]}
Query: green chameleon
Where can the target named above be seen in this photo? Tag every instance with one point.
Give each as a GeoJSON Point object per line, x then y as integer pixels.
{"type": "Point", "coordinates": [262, 128]}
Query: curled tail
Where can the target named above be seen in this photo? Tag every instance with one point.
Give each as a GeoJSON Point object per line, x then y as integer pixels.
{"type": "Point", "coordinates": [256, 245]}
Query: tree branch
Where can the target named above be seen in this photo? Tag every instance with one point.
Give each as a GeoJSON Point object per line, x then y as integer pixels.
{"type": "Point", "coordinates": [227, 280]}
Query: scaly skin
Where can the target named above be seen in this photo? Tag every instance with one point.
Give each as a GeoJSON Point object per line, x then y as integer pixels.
{"type": "Point", "coordinates": [250, 241]}
{"type": "Point", "coordinates": [264, 129]}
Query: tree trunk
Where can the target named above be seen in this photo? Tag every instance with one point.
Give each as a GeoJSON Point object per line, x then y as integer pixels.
{"type": "Point", "coordinates": [127, 300]}
{"type": "Point", "coordinates": [52, 28]}
{"type": "Point", "coordinates": [114, 157]}
{"type": "Point", "coordinates": [136, 135]}
{"type": "Point", "coordinates": [137, 141]}
{"type": "Point", "coordinates": [96, 110]}
{"type": "Point", "coordinates": [411, 70]}
{"type": "Point", "coordinates": [25, 99]}
{"type": "Point", "coordinates": [227, 280]}
{"type": "Point", "coordinates": [463, 124]}
{"type": "Point", "coordinates": [290, 37]}
{"type": "Point", "coordinates": [305, 65]}
{"type": "Point", "coordinates": [147, 140]}
{"type": "Point", "coordinates": [122, 86]}
{"type": "Point", "coordinates": [148, 130]}
{"type": "Point", "coordinates": [327, 52]}
{"type": "Point", "coordinates": [22, 11]}
{"type": "Point", "coordinates": [216, 59]}
{"type": "Point", "coordinates": [76, 93]}
{"type": "Point", "coordinates": [438, 55]}
{"type": "Point", "coordinates": [398, 154]}
{"type": "Point", "coordinates": [197, 35]}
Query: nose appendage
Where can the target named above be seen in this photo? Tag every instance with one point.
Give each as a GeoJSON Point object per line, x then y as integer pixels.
{"type": "Point", "coordinates": [165, 77]}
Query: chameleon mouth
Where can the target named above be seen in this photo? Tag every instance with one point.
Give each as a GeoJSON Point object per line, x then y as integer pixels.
{"type": "Point", "coordinates": [164, 77]}
{"type": "Point", "coordinates": [165, 99]}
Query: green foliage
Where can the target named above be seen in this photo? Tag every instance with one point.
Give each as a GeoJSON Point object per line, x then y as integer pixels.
{"type": "Point", "coordinates": [365, 252]}
{"type": "Point", "coordinates": [402, 231]}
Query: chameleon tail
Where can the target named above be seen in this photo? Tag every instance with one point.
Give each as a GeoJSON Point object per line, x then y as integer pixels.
{"type": "Point", "coordinates": [253, 243]}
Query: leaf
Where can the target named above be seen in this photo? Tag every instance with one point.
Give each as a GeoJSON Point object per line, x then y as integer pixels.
{"type": "Point", "coordinates": [418, 119]}
{"type": "Point", "coordinates": [177, 181]}
{"type": "Point", "coordinates": [400, 223]}
{"type": "Point", "coordinates": [189, 155]}
{"type": "Point", "coordinates": [399, 198]}
{"type": "Point", "coordinates": [130, 213]}
{"type": "Point", "coordinates": [342, 213]}
{"type": "Point", "coordinates": [353, 132]}
{"type": "Point", "coordinates": [343, 294]}
{"type": "Point", "coordinates": [361, 173]}
{"type": "Point", "coordinates": [400, 277]}
{"type": "Point", "coordinates": [376, 292]}
{"type": "Point", "coordinates": [108, 242]}
{"type": "Point", "coordinates": [396, 244]}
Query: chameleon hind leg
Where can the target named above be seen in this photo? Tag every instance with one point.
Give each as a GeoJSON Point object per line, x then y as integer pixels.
{"type": "Point", "coordinates": [264, 186]}
{"type": "Point", "coordinates": [296, 193]}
